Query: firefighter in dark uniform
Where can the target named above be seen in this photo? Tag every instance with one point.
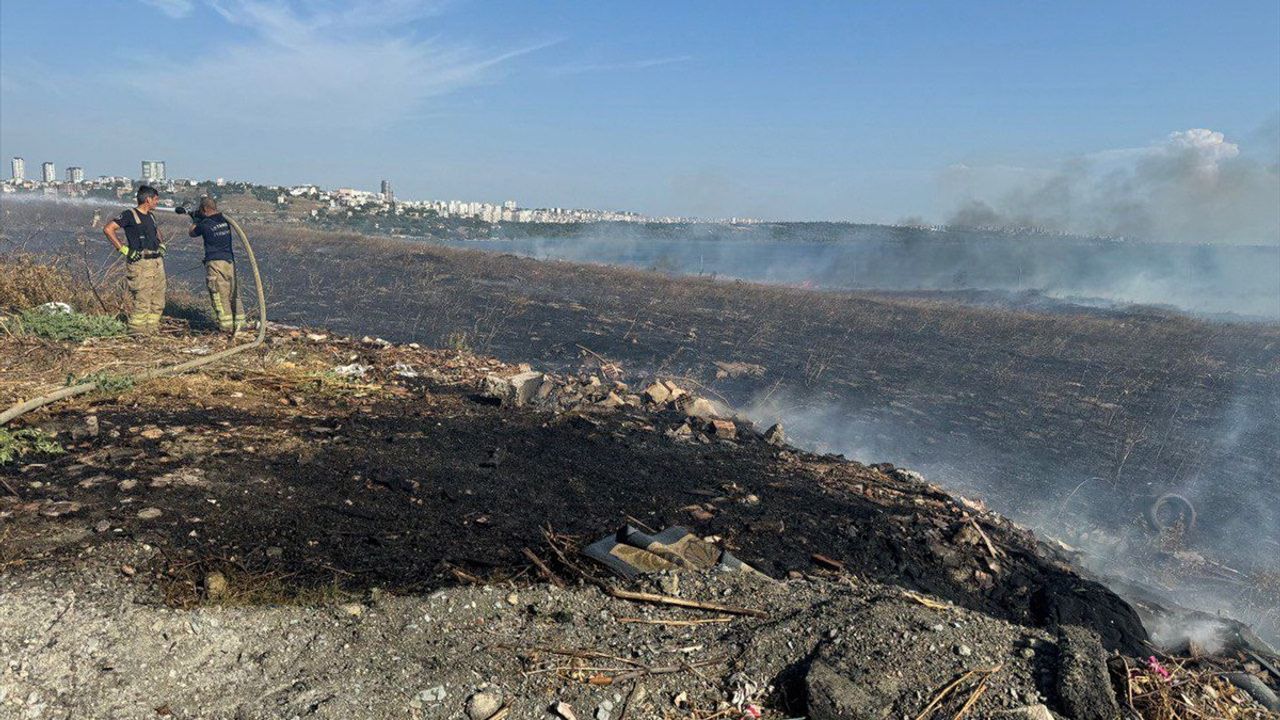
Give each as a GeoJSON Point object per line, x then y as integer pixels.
{"type": "Point", "coordinates": [219, 265]}
{"type": "Point", "coordinates": [143, 249]}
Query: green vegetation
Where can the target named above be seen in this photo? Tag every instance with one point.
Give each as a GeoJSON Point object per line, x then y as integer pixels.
{"type": "Point", "coordinates": [73, 326]}
{"type": "Point", "coordinates": [106, 382]}
{"type": "Point", "coordinates": [18, 443]}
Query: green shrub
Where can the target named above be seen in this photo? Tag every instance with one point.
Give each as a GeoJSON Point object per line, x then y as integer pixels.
{"type": "Point", "coordinates": [17, 443]}
{"type": "Point", "coordinates": [72, 326]}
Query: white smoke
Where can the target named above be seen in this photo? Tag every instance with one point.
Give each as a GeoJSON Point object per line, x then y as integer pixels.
{"type": "Point", "coordinates": [1195, 186]}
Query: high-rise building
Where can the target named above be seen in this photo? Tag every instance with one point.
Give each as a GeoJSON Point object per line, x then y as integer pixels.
{"type": "Point", "coordinates": [387, 194]}
{"type": "Point", "coordinates": [75, 174]}
{"type": "Point", "coordinates": [152, 171]}
{"type": "Point", "coordinates": [18, 167]}
{"type": "Point", "coordinates": [48, 174]}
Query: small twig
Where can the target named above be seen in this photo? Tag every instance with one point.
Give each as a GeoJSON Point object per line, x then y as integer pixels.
{"type": "Point", "coordinates": [917, 597]}
{"type": "Point", "coordinates": [829, 563]}
{"type": "Point", "coordinates": [990, 547]}
{"type": "Point", "coordinates": [626, 704]}
{"type": "Point", "coordinates": [677, 623]}
{"type": "Point", "coordinates": [681, 602]}
{"type": "Point", "coordinates": [542, 568]}
{"type": "Point", "coordinates": [977, 693]}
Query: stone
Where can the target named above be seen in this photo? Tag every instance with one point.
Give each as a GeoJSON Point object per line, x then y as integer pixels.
{"type": "Point", "coordinates": [964, 650]}
{"type": "Point", "coordinates": [564, 711]}
{"type": "Point", "coordinates": [515, 390]}
{"type": "Point", "coordinates": [150, 513]}
{"type": "Point", "coordinates": [525, 386]}
{"type": "Point", "coordinates": [85, 429]}
{"type": "Point", "coordinates": [612, 401]}
{"type": "Point", "coordinates": [657, 394]}
{"type": "Point", "coordinates": [215, 585]}
{"type": "Point", "coordinates": [102, 526]}
{"type": "Point", "coordinates": [675, 390]}
{"type": "Point", "coordinates": [274, 552]}
{"type": "Point", "coordinates": [127, 485]}
{"type": "Point", "coordinates": [699, 408]}
{"type": "Point", "coordinates": [775, 435]}
{"type": "Point", "coordinates": [433, 696]}
{"type": "Point", "coordinates": [724, 429]}
{"type": "Point", "coordinates": [484, 704]}
{"type": "Point", "coordinates": [354, 610]}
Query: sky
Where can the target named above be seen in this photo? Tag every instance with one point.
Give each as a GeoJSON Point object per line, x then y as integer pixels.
{"type": "Point", "coordinates": [861, 111]}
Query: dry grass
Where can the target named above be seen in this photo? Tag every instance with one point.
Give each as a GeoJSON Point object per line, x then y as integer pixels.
{"type": "Point", "coordinates": [27, 281]}
{"type": "Point", "coordinates": [1180, 693]}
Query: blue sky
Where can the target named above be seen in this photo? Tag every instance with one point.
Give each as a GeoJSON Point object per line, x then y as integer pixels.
{"type": "Point", "coordinates": [820, 110]}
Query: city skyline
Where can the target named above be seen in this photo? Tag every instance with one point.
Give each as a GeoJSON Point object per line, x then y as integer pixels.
{"type": "Point", "coordinates": [868, 112]}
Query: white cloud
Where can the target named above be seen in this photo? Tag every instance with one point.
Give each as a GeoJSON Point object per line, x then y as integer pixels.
{"type": "Point", "coordinates": [173, 8]}
{"type": "Point", "coordinates": [620, 66]}
{"type": "Point", "coordinates": [325, 65]}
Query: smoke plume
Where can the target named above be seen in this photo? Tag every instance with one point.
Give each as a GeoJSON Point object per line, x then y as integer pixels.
{"type": "Point", "coordinates": [1194, 187]}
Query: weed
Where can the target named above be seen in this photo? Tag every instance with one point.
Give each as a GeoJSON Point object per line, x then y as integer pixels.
{"type": "Point", "coordinates": [458, 342]}
{"type": "Point", "coordinates": [63, 326]}
{"type": "Point", "coordinates": [20, 443]}
{"type": "Point", "coordinates": [106, 382]}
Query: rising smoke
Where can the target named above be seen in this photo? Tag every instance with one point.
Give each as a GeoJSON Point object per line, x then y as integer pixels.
{"type": "Point", "coordinates": [1194, 187]}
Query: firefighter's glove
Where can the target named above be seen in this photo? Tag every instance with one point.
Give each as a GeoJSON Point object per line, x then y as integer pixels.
{"type": "Point", "coordinates": [163, 249]}
{"type": "Point", "coordinates": [134, 255]}
{"type": "Point", "coordinates": [124, 250]}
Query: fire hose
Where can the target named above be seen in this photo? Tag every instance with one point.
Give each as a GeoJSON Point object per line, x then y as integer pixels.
{"type": "Point", "coordinates": [71, 391]}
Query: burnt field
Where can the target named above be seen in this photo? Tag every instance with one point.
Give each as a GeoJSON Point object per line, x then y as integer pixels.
{"type": "Point", "coordinates": [1074, 421]}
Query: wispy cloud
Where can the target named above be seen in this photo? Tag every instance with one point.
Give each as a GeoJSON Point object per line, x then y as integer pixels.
{"type": "Point", "coordinates": [330, 65]}
{"type": "Point", "coordinates": [580, 68]}
{"type": "Point", "coordinates": [173, 8]}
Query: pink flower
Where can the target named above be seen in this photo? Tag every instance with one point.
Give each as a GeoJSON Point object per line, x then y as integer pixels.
{"type": "Point", "coordinates": [1154, 666]}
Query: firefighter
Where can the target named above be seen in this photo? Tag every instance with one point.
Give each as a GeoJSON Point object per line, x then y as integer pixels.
{"type": "Point", "coordinates": [143, 250]}
{"type": "Point", "coordinates": [219, 265]}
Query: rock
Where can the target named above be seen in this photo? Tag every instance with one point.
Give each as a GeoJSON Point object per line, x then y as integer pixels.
{"type": "Point", "coordinates": [675, 391]}
{"type": "Point", "coordinates": [724, 429]}
{"type": "Point", "coordinates": [564, 710]}
{"type": "Point", "coordinates": [515, 390]}
{"type": "Point", "coordinates": [525, 386]}
{"type": "Point", "coordinates": [657, 394]}
{"type": "Point", "coordinates": [85, 429]}
{"type": "Point", "coordinates": [102, 526]}
{"type": "Point", "coordinates": [1083, 682]}
{"type": "Point", "coordinates": [356, 610]}
{"type": "Point", "coordinates": [127, 485]}
{"type": "Point", "coordinates": [964, 650]}
{"type": "Point", "coordinates": [699, 408]}
{"type": "Point", "coordinates": [215, 585]}
{"type": "Point", "coordinates": [152, 433]}
{"type": "Point", "coordinates": [775, 435]}
{"type": "Point", "coordinates": [612, 401]}
{"type": "Point", "coordinates": [150, 513]}
{"type": "Point", "coordinates": [433, 696]}
{"type": "Point", "coordinates": [1258, 690]}
{"type": "Point", "coordinates": [833, 696]}
{"type": "Point", "coordinates": [274, 552]}
{"type": "Point", "coordinates": [484, 704]}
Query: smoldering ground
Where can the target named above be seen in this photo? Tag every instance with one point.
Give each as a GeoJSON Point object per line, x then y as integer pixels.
{"type": "Point", "coordinates": [1018, 407]}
